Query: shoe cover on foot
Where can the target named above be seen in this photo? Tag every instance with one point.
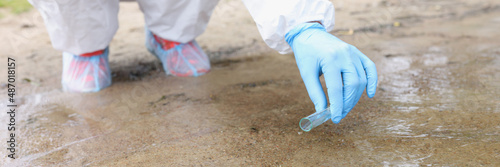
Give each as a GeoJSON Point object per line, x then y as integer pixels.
{"type": "Point", "coordinates": [86, 73]}
{"type": "Point", "coordinates": [178, 59]}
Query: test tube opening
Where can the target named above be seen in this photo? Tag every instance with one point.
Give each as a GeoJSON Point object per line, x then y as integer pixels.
{"type": "Point", "coordinates": [305, 124]}
{"type": "Point", "coordinates": [314, 120]}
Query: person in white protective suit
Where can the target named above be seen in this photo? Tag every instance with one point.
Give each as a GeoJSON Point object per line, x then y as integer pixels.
{"type": "Point", "coordinates": [83, 29]}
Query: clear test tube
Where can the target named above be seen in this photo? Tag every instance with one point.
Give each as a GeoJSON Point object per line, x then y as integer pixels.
{"type": "Point", "coordinates": [316, 119]}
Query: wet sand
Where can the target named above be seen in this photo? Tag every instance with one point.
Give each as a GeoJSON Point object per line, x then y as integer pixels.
{"type": "Point", "coordinates": [437, 103]}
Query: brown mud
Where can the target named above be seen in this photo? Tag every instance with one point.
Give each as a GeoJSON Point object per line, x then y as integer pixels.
{"type": "Point", "coordinates": [437, 103]}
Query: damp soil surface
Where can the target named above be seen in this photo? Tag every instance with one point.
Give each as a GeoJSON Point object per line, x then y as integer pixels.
{"type": "Point", "coordinates": [437, 101]}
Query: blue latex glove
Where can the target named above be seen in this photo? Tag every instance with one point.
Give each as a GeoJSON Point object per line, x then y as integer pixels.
{"type": "Point", "coordinates": [347, 71]}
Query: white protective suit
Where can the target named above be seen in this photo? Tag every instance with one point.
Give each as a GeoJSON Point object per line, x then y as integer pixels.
{"type": "Point", "coordinates": [82, 26]}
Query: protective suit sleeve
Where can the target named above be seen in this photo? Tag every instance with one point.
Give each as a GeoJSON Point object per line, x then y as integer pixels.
{"type": "Point", "coordinates": [274, 18]}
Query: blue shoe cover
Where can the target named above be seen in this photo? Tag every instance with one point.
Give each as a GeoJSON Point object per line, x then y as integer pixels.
{"type": "Point", "coordinates": [86, 73]}
{"type": "Point", "coordinates": [178, 59]}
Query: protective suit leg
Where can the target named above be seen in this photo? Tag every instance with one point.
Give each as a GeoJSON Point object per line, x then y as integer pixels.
{"type": "Point", "coordinates": [82, 29]}
{"type": "Point", "coordinates": [174, 20]}
{"type": "Point", "coordinates": [79, 26]}
{"type": "Point", "coordinates": [171, 27]}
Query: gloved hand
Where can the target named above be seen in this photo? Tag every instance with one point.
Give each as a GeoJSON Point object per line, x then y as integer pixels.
{"type": "Point", "coordinates": [178, 59]}
{"type": "Point", "coordinates": [86, 73]}
{"type": "Point", "coordinates": [347, 71]}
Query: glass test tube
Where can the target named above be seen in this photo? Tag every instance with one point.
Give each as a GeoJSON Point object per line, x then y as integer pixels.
{"type": "Point", "coordinates": [316, 119]}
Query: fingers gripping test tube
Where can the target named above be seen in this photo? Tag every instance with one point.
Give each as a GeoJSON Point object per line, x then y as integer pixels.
{"type": "Point", "coordinates": [314, 120]}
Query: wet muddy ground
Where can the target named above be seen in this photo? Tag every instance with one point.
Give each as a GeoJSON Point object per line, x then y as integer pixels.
{"type": "Point", "coordinates": [437, 103]}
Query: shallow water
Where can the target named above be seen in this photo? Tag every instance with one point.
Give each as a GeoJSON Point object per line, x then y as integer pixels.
{"type": "Point", "coordinates": [437, 103]}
